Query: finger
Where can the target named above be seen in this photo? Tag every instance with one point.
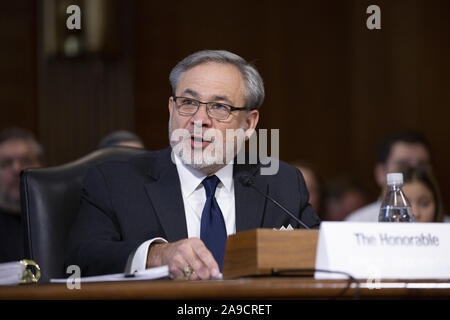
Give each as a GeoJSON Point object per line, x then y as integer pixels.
{"type": "Point", "coordinates": [201, 271]}
{"type": "Point", "coordinates": [186, 257]}
{"type": "Point", "coordinates": [175, 273]}
{"type": "Point", "coordinates": [194, 276]}
{"type": "Point", "coordinates": [206, 257]}
{"type": "Point", "coordinates": [176, 266]}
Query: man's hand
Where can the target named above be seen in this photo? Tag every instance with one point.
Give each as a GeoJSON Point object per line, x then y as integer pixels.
{"type": "Point", "coordinates": [187, 252]}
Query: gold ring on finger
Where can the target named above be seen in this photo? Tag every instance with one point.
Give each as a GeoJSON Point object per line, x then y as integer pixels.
{"type": "Point", "coordinates": [187, 272]}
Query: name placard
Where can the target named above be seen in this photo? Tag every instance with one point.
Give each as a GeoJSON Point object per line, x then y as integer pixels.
{"type": "Point", "coordinates": [384, 250]}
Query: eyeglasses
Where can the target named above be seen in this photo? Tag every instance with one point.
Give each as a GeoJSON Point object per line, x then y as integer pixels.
{"type": "Point", "coordinates": [219, 111]}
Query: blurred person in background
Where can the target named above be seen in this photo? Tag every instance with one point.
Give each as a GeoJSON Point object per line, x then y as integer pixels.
{"type": "Point", "coordinates": [422, 191]}
{"type": "Point", "coordinates": [121, 138]}
{"type": "Point", "coordinates": [18, 150]}
{"type": "Point", "coordinates": [313, 184]}
{"type": "Point", "coordinates": [398, 150]}
{"type": "Point", "coordinates": [342, 196]}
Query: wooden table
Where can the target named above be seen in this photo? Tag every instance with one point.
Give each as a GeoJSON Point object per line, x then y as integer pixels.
{"type": "Point", "coordinates": [246, 288]}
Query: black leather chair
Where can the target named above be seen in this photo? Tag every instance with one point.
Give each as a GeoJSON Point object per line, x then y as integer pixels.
{"type": "Point", "coordinates": [50, 199]}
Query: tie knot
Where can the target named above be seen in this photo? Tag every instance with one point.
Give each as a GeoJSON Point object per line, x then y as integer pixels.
{"type": "Point", "coordinates": [210, 183]}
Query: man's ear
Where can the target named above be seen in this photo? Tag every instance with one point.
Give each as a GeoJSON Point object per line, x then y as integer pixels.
{"type": "Point", "coordinates": [251, 121]}
{"type": "Point", "coordinates": [170, 105]}
{"type": "Point", "coordinates": [380, 173]}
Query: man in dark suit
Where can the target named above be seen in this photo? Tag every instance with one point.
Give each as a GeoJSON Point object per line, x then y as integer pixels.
{"type": "Point", "coordinates": [176, 206]}
{"type": "Point", "coordinates": [18, 150]}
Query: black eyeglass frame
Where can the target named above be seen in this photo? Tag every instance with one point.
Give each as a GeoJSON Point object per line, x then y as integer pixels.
{"type": "Point", "coordinates": [208, 106]}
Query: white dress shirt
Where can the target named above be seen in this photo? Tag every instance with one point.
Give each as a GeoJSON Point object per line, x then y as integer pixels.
{"type": "Point", "coordinates": [194, 198]}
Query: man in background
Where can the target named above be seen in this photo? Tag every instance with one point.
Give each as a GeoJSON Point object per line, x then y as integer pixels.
{"type": "Point", "coordinates": [18, 150]}
{"type": "Point", "coordinates": [396, 151]}
{"type": "Point", "coordinates": [314, 184]}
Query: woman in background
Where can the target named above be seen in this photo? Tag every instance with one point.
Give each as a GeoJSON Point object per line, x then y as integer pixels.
{"type": "Point", "coordinates": [421, 189]}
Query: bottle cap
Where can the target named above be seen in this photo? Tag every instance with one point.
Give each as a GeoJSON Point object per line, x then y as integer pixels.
{"type": "Point", "coordinates": [394, 178]}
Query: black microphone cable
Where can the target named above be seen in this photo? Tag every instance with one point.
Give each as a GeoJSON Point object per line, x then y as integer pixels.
{"type": "Point", "coordinates": [295, 272]}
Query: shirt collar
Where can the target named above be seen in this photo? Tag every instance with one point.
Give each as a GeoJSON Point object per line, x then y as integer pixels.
{"type": "Point", "coordinates": [190, 178]}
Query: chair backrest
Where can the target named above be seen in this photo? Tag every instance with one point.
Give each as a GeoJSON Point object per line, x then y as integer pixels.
{"type": "Point", "coordinates": [50, 199]}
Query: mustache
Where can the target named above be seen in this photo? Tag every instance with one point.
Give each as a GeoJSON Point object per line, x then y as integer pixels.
{"type": "Point", "coordinates": [209, 135]}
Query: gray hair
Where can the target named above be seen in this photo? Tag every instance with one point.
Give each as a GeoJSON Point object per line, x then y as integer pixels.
{"type": "Point", "coordinates": [254, 86]}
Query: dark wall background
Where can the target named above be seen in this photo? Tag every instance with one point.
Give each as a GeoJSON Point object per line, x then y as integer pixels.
{"type": "Point", "coordinates": [334, 88]}
{"type": "Point", "coordinates": [18, 83]}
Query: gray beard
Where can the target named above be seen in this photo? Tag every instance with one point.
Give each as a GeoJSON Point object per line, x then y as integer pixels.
{"type": "Point", "coordinates": [200, 161]}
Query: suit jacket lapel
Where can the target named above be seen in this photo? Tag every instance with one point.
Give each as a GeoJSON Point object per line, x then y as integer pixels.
{"type": "Point", "coordinates": [164, 191]}
{"type": "Point", "coordinates": [249, 204]}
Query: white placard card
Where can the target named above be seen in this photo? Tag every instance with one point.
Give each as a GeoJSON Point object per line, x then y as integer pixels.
{"type": "Point", "coordinates": [384, 250]}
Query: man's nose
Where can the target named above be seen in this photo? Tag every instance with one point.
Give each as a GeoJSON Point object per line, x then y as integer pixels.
{"type": "Point", "coordinates": [202, 117]}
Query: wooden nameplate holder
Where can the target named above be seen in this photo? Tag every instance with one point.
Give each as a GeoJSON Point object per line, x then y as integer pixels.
{"type": "Point", "coordinates": [262, 251]}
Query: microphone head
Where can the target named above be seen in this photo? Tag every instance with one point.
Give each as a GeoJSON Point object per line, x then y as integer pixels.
{"type": "Point", "coordinates": [246, 180]}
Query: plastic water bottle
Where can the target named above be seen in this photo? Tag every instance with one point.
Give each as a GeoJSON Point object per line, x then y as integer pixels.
{"type": "Point", "coordinates": [395, 206]}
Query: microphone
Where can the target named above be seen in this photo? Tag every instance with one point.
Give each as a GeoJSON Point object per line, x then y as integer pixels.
{"type": "Point", "coordinates": [247, 181]}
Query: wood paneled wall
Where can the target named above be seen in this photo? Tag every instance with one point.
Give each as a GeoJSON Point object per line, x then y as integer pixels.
{"type": "Point", "coordinates": [334, 88]}
{"type": "Point", "coordinates": [18, 71]}
{"type": "Point", "coordinates": [81, 99]}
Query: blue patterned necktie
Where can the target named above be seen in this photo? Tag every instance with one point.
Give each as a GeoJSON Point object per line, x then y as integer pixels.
{"type": "Point", "coordinates": [213, 231]}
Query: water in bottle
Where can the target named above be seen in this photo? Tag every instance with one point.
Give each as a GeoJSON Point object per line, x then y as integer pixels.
{"type": "Point", "coordinates": [395, 206]}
